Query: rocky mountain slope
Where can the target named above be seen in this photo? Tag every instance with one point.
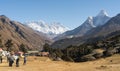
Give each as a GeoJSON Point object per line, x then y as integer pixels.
{"type": "Point", "coordinates": [20, 33]}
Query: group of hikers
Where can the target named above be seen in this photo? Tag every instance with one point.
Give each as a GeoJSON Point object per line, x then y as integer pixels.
{"type": "Point", "coordinates": [13, 57]}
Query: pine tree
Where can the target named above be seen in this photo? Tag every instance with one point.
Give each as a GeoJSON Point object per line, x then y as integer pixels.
{"type": "Point", "coordinates": [23, 48]}
{"type": "Point", "coordinates": [46, 47]}
{"type": "Point", "coordinates": [9, 45]}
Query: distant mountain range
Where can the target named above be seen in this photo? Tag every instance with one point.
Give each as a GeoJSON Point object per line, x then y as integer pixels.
{"type": "Point", "coordinates": [111, 26]}
{"type": "Point", "coordinates": [90, 23]}
{"type": "Point", "coordinates": [35, 34]}
{"type": "Point", "coordinates": [51, 30]}
{"type": "Point", "coordinates": [21, 34]}
{"type": "Point", "coordinates": [98, 32]}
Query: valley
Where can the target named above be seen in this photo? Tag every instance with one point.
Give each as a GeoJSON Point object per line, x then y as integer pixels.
{"type": "Point", "coordinates": [59, 35]}
{"type": "Point", "coordinates": [45, 64]}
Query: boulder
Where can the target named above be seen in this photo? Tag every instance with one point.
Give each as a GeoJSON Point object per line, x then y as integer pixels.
{"type": "Point", "coordinates": [98, 55]}
{"type": "Point", "coordinates": [87, 58]}
{"type": "Point", "coordinates": [109, 52]}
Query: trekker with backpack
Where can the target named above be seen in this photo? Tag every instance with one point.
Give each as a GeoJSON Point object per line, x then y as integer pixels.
{"type": "Point", "coordinates": [11, 59]}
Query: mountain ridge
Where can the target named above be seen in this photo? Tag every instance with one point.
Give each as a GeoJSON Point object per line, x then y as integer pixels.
{"type": "Point", "coordinates": [97, 33]}
{"type": "Point", "coordinates": [100, 19]}
{"type": "Point", "coordinates": [51, 30]}
{"type": "Point", "coordinates": [20, 33]}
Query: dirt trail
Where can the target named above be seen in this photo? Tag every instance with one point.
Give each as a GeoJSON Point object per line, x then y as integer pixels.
{"type": "Point", "coordinates": [45, 64]}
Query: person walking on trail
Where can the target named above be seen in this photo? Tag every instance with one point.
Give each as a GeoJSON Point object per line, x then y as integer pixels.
{"type": "Point", "coordinates": [1, 59]}
{"type": "Point", "coordinates": [18, 56]}
{"type": "Point", "coordinates": [17, 60]}
{"type": "Point", "coordinates": [11, 59]}
{"type": "Point", "coordinates": [7, 55]}
{"type": "Point", "coordinates": [25, 59]}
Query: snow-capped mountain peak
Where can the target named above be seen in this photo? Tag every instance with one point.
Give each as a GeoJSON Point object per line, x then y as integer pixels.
{"type": "Point", "coordinates": [54, 28]}
{"type": "Point", "coordinates": [102, 13]}
{"type": "Point", "coordinates": [90, 17]}
{"type": "Point", "coordinates": [101, 18]}
{"type": "Point", "coordinates": [98, 20]}
{"type": "Point", "coordinates": [90, 23]}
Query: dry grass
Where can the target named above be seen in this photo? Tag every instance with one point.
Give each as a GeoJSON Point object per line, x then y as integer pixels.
{"type": "Point", "coordinates": [45, 64]}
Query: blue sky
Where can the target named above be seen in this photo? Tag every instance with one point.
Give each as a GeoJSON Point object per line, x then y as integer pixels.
{"type": "Point", "coordinates": [71, 13]}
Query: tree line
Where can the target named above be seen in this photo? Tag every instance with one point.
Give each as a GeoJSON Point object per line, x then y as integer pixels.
{"type": "Point", "coordinates": [84, 52]}
{"type": "Point", "coordinates": [9, 46]}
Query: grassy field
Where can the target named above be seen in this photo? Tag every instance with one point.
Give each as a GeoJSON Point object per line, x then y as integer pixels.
{"type": "Point", "coordinates": [45, 64]}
